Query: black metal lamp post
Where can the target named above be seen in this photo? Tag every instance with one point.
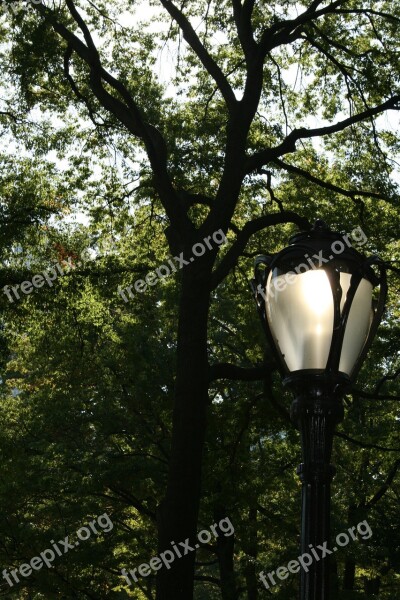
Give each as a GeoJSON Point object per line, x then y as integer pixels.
{"type": "Point", "coordinates": [320, 302]}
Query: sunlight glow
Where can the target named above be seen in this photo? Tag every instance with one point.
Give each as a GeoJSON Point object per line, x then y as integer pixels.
{"type": "Point", "coordinates": [316, 292]}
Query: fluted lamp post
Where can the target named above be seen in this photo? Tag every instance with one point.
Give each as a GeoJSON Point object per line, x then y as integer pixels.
{"type": "Point", "coordinates": [320, 302]}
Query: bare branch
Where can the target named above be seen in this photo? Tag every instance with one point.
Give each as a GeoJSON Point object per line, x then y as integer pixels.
{"type": "Point", "coordinates": [247, 9]}
{"type": "Point", "coordinates": [84, 28]}
{"type": "Point", "coordinates": [259, 159]}
{"type": "Point", "coordinates": [271, 192]}
{"type": "Point", "coordinates": [284, 32]}
{"type": "Point", "coordinates": [342, 68]}
{"type": "Point", "coordinates": [242, 16]}
{"type": "Point", "coordinates": [345, 70]}
{"type": "Point", "coordinates": [281, 94]}
{"type": "Point", "coordinates": [336, 44]}
{"type": "Point", "coordinates": [199, 49]}
{"type": "Point", "coordinates": [375, 395]}
{"type": "Point", "coordinates": [103, 14]}
{"type": "Point", "coordinates": [367, 11]}
{"type": "Point", "coordinates": [235, 251]}
{"type": "Point", "coordinates": [385, 487]}
{"type": "Point", "coordinates": [326, 184]}
{"type": "Point", "coordinates": [386, 378]}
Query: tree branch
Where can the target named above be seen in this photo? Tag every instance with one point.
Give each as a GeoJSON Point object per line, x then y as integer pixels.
{"type": "Point", "coordinates": [367, 11]}
{"type": "Point", "coordinates": [283, 32]}
{"type": "Point", "coordinates": [233, 254]}
{"type": "Point", "coordinates": [375, 394]}
{"type": "Point", "coordinates": [386, 378]}
{"type": "Point", "coordinates": [325, 184]}
{"type": "Point", "coordinates": [242, 16]}
{"type": "Point", "coordinates": [199, 49]}
{"type": "Point", "coordinates": [235, 373]}
{"type": "Point", "coordinates": [259, 159]}
{"type": "Point", "coordinates": [135, 502]}
{"type": "Point", "coordinates": [247, 9]}
{"type": "Point", "coordinates": [74, 87]}
{"type": "Point", "coordinates": [126, 111]}
{"type": "Point", "coordinates": [364, 444]}
{"type": "Point", "coordinates": [270, 190]}
{"type": "Point", "coordinates": [4, 113]}
{"type": "Point", "coordinates": [382, 491]}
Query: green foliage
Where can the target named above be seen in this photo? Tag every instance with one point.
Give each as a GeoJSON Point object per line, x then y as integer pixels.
{"type": "Point", "coordinates": [87, 380]}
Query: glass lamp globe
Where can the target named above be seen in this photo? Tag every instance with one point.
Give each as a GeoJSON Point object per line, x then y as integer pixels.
{"type": "Point", "coordinates": [321, 302]}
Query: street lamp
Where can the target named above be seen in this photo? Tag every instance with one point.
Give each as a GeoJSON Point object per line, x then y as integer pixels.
{"type": "Point", "coordinates": [320, 302]}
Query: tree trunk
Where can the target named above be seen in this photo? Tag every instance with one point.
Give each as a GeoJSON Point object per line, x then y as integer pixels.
{"type": "Point", "coordinates": [349, 574]}
{"type": "Point", "coordinates": [178, 511]}
{"type": "Point", "coordinates": [225, 553]}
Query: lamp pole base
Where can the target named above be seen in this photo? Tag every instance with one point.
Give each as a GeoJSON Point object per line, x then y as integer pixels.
{"type": "Point", "coordinates": [316, 415]}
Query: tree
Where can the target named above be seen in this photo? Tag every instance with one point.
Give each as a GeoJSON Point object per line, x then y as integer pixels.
{"type": "Point", "coordinates": [276, 116]}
